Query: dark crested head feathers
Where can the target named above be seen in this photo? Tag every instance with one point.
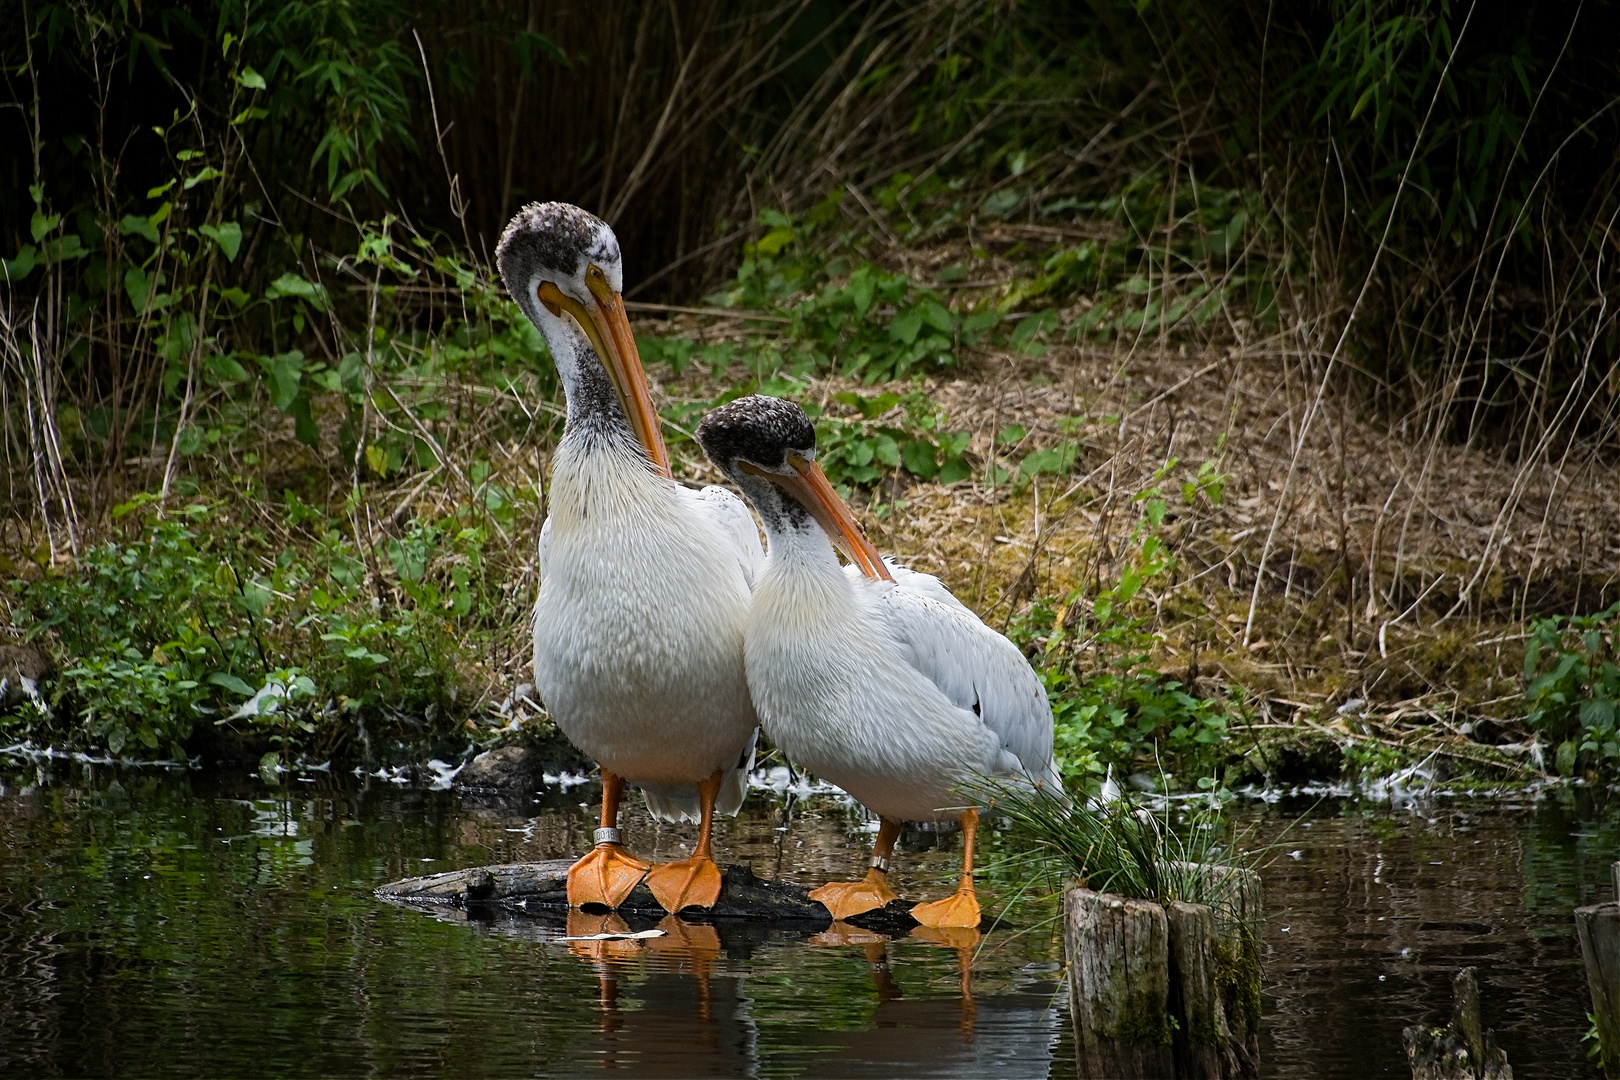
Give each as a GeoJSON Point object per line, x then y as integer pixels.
{"type": "Point", "coordinates": [756, 428]}
{"type": "Point", "coordinates": [556, 239]}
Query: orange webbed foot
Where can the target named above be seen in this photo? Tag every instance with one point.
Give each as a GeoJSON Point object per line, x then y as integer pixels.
{"type": "Point", "coordinates": [961, 908]}
{"type": "Point", "coordinates": [846, 898]}
{"type": "Point", "coordinates": [605, 876]}
{"type": "Point", "coordinates": [693, 882]}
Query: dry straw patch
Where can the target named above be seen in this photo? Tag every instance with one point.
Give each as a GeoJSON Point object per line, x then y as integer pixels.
{"type": "Point", "coordinates": [1398, 571]}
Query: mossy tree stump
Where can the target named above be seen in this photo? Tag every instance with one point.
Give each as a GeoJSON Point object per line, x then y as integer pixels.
{"type": "Point", "coordinates": [1598, 928]}
{"type": "Point", "coordinates": [1167, 991]}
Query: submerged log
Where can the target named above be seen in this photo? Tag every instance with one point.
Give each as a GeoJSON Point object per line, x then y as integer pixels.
{"type": "Point", "coordinates": [1598, 928]}
{"type": "Point", "coordinates": [1464, 1050]}
{"type": "Point", "coordinates": [542, 887]}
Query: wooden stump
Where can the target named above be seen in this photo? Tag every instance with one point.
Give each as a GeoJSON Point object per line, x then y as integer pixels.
{"type": "Point", "coordinates": [1598, 928]}
{"type": "Point", "coordinates": [1195, 999]}
{"type": "Point", "coordinates": [1119, 986]}
{"type": "Point", "coordinates": [1462, 1051]}
{"type": "Point", "coordinates": [1237, 973]}
{"type": "Point", "coordinates": [1205, 1023]}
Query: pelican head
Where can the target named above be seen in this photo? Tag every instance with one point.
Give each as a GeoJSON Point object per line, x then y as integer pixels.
{"type": "Point", "coordinates": [767, 447]}
{"type": "Point", "coordinates": [562, 266]}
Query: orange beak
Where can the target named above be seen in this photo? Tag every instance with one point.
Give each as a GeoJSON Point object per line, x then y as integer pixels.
{"type": "Point", "coordinates": [810, 487]}
{"type": "Point", "coordinates": [608, 328]}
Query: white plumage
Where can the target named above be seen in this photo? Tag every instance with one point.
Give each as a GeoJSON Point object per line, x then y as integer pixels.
{"type": "Point", "coordinates": [893, 690]}
{"type": "Point", "coordinates": [638, 631]}
{"type": "Point", "coordinates": [873, 676]}
{"type": "Point", "coordinates": [644, 584]}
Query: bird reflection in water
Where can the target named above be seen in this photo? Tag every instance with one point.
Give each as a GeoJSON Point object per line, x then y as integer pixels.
{"type": "Point", "coordinates": [964, 939]}
{"type": "Point", "coordinates": [666, 1034]}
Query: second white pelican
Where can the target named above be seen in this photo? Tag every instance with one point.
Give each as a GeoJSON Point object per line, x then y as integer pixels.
{"type": "Point", "coordinates": [872, 676]}
{"type": "Point", "coordinates": [644, 583]}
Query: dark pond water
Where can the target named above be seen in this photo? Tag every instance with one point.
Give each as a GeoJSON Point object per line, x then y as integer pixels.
{"type": "Point", "coordinates": [186, 924]}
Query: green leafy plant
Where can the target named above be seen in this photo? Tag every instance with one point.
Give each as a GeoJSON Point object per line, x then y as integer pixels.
{"type": "Point", "coordinates": [196, 622]}
{"type": "Point", "coordinates": [1572, 687]}
{"type": "Point", "coordinates": [845, 313]}
{"type": "Point", "coordinates": [1111, 707]}
{"type": "Point", "coordinates": [1118, 843]}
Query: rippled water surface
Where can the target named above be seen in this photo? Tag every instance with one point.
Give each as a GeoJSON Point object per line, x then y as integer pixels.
{"type": "Point", "coordinates": [203, 924]}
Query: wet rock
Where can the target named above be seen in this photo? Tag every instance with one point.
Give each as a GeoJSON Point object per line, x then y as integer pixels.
{"type": "Point", "coordinates": [509, 769]}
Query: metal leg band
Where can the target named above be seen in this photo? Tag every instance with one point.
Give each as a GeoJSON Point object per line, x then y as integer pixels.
{"type": "Point", "coordinates": [609, 836]}
{"type": "Point", "coordinates": [878, 862]}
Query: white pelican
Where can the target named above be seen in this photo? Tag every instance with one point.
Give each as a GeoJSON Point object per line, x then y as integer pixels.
{"type": "Point", "coordinates": [872, 676]}
{"type": "Point", "coordinates": [644, 583]}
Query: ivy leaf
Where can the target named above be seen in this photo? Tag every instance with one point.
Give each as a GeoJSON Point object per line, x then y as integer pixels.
{"type": "Point", "coordinates": [228, 235]}
{"type": "Point", "coordinates": [250, 79]}
{"type": "Point", "coordinates": [209, 173]}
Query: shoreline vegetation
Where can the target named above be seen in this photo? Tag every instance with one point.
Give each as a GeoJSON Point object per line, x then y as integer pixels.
{"type": "Point", "coordinates": [1258, 378]}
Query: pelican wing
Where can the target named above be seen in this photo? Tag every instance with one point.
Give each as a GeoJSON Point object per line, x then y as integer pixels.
{"type": "Point", "coordinates": [975, 667]}
{"type": "Point", "coordinates": [731, 519]}
{"type": "Point", "coordinates": [545, 543]}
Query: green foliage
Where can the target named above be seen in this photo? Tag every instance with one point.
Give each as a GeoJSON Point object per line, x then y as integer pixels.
{"type": "Point", "coordinates": [198, 620]}
{"type": "Point", "coordinates": [1572, 688]}
{"type": "Point", "coordinates": [1119, 844]}
{"type": "Point", "coordinates": [887, 432]}
{"type": "Point", "coordinates": [845, 313]}
{"type": "Point", "coordinates": [1109, 705]}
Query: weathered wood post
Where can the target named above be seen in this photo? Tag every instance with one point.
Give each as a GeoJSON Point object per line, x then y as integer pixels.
{"type": "Point", "coordinates": [1166, 990]}
{"type": "Point", "coordinates": [1119, 986]}
{"type": "Point", "coordinates": [1237, 974]}
{"type": "Point", "coordinates": [1464, 1050]}
{"type": "Point", "coordinates": [1598, 928]}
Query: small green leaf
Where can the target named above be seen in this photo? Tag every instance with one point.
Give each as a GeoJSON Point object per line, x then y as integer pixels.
{"type": "Point", "coordinates": [23, 264]}
{"type": "Point", "coordinates": [286, 375]}
{"type": "Point", "coordinates": [905, 326]}
{"type": "Point", "coordinates": [293, 285]}
{"type": "Point", "coordinates": [137, 225]}
{"type": "Point", "coordinates": [250, 79]}
{"type": "Point", "coordinates": [920, 459]}
{"type": "Point", "coordinates": [231, 683]}
{"type": "Point", "coordinates": [137, 285]}
{"type": "Point", "coordinates": [774, 241]}
{"type": "Point", "coordinates": [228, 235]}
{"type": "Point", "coordinates": [226, 369]}
{"type": "Point", "coordinates": [209, 173]}
{"type": "Point", "coordinates": [43, 223]}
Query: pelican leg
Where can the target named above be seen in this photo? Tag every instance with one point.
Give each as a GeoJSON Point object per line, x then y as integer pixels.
{"type": "Point", "coordinates": [846, 898]}
{"type": "Point", "coordinates": [607, 874]}
{"type": "Point", "coordinates": [693, 882]}
{"type": "Point", "coordinates": [961, 908]}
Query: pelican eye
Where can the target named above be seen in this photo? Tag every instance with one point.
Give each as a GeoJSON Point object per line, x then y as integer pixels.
{"type": "Point", "coordinates": [595, 273]}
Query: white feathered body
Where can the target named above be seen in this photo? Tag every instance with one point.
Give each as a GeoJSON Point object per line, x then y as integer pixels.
{"type": "Point", "coordinates": [638, 631]}
{"type": "Point", "coordinates": [894, 691]}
